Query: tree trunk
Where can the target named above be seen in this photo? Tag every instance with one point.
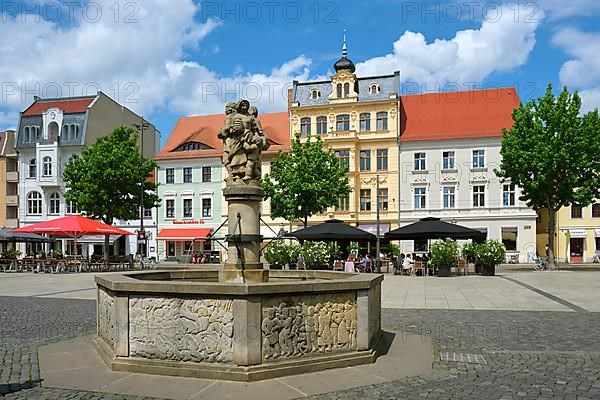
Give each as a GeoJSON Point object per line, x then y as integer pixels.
{"type": "Point", "coordinates": [551, 235]}
{"type": "Point", "coordinates": [305, 222]}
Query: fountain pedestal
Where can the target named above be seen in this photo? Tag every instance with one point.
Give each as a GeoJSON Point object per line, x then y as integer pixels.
{"type": "Point", "coordinates": [243, 239]}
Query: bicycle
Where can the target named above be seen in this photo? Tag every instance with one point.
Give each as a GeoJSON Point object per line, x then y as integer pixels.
{"type": "Point", "coordinates": [541, 265]}
{"type": "Point", "coordinates": [147, 263]}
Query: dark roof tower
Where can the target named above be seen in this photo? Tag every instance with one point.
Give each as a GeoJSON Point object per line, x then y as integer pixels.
{"type": "Point", "coordinates": [344, 63]}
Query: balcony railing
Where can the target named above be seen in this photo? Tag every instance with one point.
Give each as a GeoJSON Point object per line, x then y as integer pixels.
{"type": "Point", "coordinates": [12, 176]}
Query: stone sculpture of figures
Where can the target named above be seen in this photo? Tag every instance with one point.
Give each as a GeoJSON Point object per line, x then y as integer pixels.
{"type": "Point", "coordinates": [243, 141]}
{"type": "Point", "coordinates": [290, 330]}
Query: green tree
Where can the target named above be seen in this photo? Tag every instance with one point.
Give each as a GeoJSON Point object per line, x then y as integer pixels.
{"type": "Point", "coordinates": [305, 181]}
{"type": "Point", "coordinates": [105, 179]}
{"type": "Point", "coordinates": [552, 153]}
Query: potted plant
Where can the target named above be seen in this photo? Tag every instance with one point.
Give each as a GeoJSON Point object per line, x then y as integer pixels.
{"type": "Point", "coordinates": [488, 255]}
{"type": "Point", "coordinates": [353, 248]}
{"type": "Point", "coordinates": [277, 254]}
{"type": "Point", "coordinates": [313, 254]}
{"type": "Point", "coordinates": [468, 252]}
{"type": "Point", "coordinates": [13, 253]}
{"type": "Point", "coordinates": [443, 256]}
{"type": "Point", "coordinates": [394, 251]}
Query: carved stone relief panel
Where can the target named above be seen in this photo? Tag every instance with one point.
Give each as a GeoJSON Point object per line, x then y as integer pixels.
{"type": "Point", "coordinates": [181, 329]}
{"type": "Point", "coordinates": [295, 326]}
{"type": "Point", "coordinates": [106, 319]}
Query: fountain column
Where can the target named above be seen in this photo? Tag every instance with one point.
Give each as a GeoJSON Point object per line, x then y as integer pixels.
{"type": "Point", "coordinates": [243, 238]}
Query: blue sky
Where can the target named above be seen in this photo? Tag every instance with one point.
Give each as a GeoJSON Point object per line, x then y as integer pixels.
{"type": "Point", "coordinates": [168, 59]}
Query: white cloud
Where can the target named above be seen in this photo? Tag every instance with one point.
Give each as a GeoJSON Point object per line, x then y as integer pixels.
{"type": "Point", "coordinates": [582, 72]}
{"type": "Point", "coordinates": [502, 43]}
{"type": "Point", "coordinates": [558, 9]}
{"type": "Point", "coordinates": [138, 57]}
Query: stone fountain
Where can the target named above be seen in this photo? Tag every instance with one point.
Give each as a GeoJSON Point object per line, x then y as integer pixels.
{"type": "Point", "coordinates": [238, 322]}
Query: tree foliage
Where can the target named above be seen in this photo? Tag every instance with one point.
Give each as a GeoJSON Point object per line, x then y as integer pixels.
{"type": "Point", "coordinates": [552, 153]}
{"type": "Point", "coordinates": [105, 179]}
{"type": "Point", "coordinates": [305, 181]}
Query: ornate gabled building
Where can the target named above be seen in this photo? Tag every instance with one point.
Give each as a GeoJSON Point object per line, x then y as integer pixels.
{"type": "Point", "coordinates": [357, 118]}
{"type": "Point", "coordinates": [50, 131]}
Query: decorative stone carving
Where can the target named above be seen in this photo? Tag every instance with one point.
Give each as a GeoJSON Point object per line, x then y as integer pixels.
{"type": "Point", "coordinates": [188, 329]}
{"type": "Point", "coordinates": [373, 180]}
{"type": "Point", "coordinates": [243, 142]}
{"type": "Point", "coordinates": [303, 325]}
{"type": "Point", "coordinates": [106, 320]}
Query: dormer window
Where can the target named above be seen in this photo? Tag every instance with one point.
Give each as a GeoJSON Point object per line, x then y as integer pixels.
{"type": "Point", "coordinates": [374, 88]}
{"type": "Point", "coordinates": [339, 90]}
{"type": "Point", "coordinates": [191, 146]}
{"type": "Point", "coordinates": [346, 89]}
{"type": "Point", "coordinates": [315, 94]}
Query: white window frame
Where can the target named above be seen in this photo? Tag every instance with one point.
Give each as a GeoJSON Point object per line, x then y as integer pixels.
{"type": "Point", "coordinates": [54, 198]}
{"type": "Point", "coordinates": [210, 213]}
{"type": "Point", "coordinates": [453, 194]}
{"type": "Point", "coordinates": [509, 192]}
{"type": "Point", "coordinates": [453, 158]}
{"type": "Point", "coordinates": [183, 199]}
{"type": "Point", "coordinates": [479, 193]}
{"type": "Point", "coordinates": [47, 166]}
{"type": "Point", "coordinates": [167, 216]}
{"type": "Point", "coordinates": [479, 156]}
{"type": "Point", "coordinates": [424, 197]}
{"type": "Point", "coordinates": [419, 164]}
{"type": "Point", "coordinates": [37, 208]}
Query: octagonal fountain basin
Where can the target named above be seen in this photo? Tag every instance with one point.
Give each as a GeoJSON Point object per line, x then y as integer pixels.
{"type": "Point", "coordinates": [187, 323]}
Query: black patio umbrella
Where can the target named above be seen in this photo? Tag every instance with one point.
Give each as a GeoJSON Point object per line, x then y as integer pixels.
{"type": "Point", "coordinates": [7, 236]}
{"type": "Point", "coordinates": [433, 228]}
{"type": "Point", "coordinates": [331, 230]}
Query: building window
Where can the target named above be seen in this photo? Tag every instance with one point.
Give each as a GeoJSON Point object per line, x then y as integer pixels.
{"type": "Point", "coordinates": [170, 208]}
{"type": "Point", "coordinates": [576, 211]}
{"type": "Point", "coordinates": [365, 160]}
{"type": "Point", "coordinates": [47, 166]}
{"type": "Point", "coordinates": [339, 90]}
{"type": "Point", "coordinates": [54, 206]}
{"type": "Point", "coordinates": [206, 174]}
{"type": "Point", "coordinates": [187, 175]}
{"type": "Point", "coordinates": [346, 89]}
{"type": "Point", "coordinates": [449, 197]}
{"type": "Point", "coordinates": [170, 175]}
{"type": "Point", "coordinates": [344, 157]}
{"type": "Point", "coordinates": [321, 125]}
{"type": "Point", "coordinates": [315, 94]}
{"type": "Point", "coordinates": [479, 196]}
{"type": "Point", "coordinates": [187, 208]}
{"type": "Point", "coordinates": [373, 88]}
{"type": "Point", "coordinates": [478, 158]}
{"type": "Point", "coordinates": [170, 249]}
{"type": "Point", "coordinates": [342, 123]}
{"type": "Point", "coordinates": [343, 203]}
{"type": "Point", "coordinates": [420, 198]}
{"type": "Point", "coordinates": [382, 160]}
{"type": "Point", "coordinates": [420, 162]}
{"type": "Point", "coordinates": [32, 168]}
{"type": "Point", "coordinates": [305, 126]}
{"type": "Point", "coordinates": [71, 207]}
{"type": "Point", "coordinates": [365, 200]}
{"type": "Point", "coordinates": [448, 160]}
{"type": "Point", "coordinates": [365, 122]}
{"type": "Point", "coordinates": [206, 208]}
{"type": "Point", "coordinates": [382, 121]}
{"type": "Point", "coordinates": [34, 203]}
{"type": "Point", "coordinates": [508, 195]}
{"type": "Point", "coordinates": [382, 199]}
{"type": "Point", "coordinates": [147, 213]}
{"type": "Point", "coordinates": [509, 238]}
{"type": "Point", "coordinates": [596, 210]}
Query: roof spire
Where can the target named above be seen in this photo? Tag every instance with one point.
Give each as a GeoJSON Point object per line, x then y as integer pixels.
{"type": "Point", "coordinates": [344, 48]}
{"type": "Point", "coordinates": [344, 63]}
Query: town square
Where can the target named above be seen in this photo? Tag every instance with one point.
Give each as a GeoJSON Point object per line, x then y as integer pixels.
{"type": "Point", "coordinates": [195, 205]}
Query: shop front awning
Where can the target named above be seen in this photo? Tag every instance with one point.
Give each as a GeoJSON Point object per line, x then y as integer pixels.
{"type": "Point", "coordinates": [175, 234]}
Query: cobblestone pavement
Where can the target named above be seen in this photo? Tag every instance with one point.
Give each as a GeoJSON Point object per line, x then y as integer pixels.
{"type": "Point", "coordinates": [529, 355]}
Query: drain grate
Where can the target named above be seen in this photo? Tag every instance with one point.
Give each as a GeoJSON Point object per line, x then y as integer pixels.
{"type": "Point", "coordinates": [462, 357]}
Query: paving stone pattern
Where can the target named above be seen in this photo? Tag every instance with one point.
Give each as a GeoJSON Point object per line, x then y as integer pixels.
{"type": "Point", "coordinates": [530, 355]}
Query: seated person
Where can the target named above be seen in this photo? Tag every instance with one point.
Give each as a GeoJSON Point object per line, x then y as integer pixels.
{"type": "Point", "coordinates": [408, 265]}
{"type": "Point", "coordinates": [194, 259]}
{"type": "Point", "coordinates": [365, 264]}
{"type": "Point", "coordinates": [204, 259]}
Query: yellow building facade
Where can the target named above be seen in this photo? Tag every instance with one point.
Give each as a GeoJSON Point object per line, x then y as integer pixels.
{"type": "Point", "coordinates": [577, 237]}
{"type": "Point", "coordinates": [356, 118]}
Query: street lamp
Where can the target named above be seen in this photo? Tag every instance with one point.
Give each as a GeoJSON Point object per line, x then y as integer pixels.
{"type": "Point", "coordinates": [141, 240]}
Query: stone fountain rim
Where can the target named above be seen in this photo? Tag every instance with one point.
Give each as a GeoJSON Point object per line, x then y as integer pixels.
{"type": "Point", "coordinates": [126, 282]}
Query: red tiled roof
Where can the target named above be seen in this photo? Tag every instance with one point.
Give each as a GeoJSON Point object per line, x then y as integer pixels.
{"type": "Point", "coordinates": [69, 106]}
{"type": "Point", "coordinates": [457, 115]}
{"type": "Point", "coordinates": [204, 129]}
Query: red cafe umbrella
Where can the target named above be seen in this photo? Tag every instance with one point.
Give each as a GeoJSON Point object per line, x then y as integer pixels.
{"type": "Point", "coordinates": [73, 226]}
